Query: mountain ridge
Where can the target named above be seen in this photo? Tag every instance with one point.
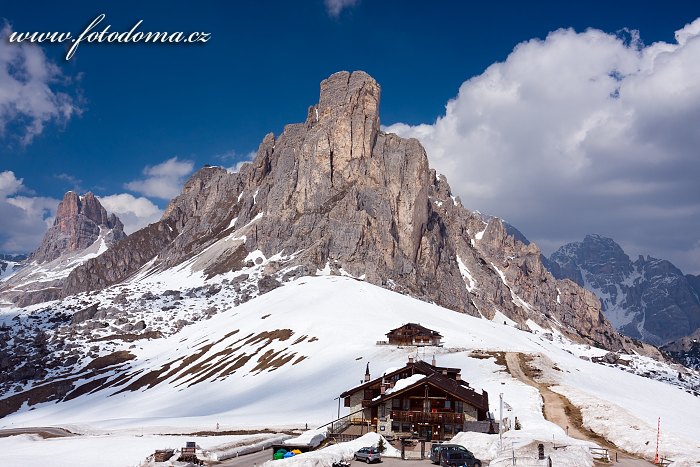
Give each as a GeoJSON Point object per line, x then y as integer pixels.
{"type": "Point", "coordinates": [337, 193]}
{"type": "Point", "coordinates": [648, 298]}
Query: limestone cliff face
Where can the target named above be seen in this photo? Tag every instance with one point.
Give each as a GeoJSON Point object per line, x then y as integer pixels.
{"type": "Point", "coordinates": [80, 222]}
{"type": "Point", "coordinates": [76, 227]}
{"type": "Point", "coordinates": [336, 193]}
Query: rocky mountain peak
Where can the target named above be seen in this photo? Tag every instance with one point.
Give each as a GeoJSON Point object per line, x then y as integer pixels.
{"type": "Point", "coordinates": [649, 299]}
{"type": "Point", "coordinates": [78, 223]}
{"type": "Point", "coordinates": [336, 195]}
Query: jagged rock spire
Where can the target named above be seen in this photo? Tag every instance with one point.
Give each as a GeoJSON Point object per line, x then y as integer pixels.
{"type": "Point", "coordinates": [76, 226]}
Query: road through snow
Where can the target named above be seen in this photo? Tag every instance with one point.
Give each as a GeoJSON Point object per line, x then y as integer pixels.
{"type": "Point", "coordinates": [555, 411]}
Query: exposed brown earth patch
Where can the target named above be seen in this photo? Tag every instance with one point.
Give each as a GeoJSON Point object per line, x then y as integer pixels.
{"type": "Point", "coordinates": [272, 360]}
{"type": "Point", "coordinates": [130, 337]}
{"type": "Point", "coordinates": [298, 360]}
{"type": "Point", "coordinates": [112, 359]}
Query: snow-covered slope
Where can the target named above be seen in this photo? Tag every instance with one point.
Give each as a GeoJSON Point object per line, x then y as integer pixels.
{"type": "Point", "coordinates": [283, 357]}
{"type": "Point", "coordinates": [36, 276]}
{"type": "Point", "coordinates": [7, 269]}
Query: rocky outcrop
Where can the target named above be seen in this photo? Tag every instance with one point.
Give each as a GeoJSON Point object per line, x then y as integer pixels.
{"type": "Point", "coordinates": [685, 350]}
{"type": "Point", "coordinates": [337, 194]}
{"type": "Point", "coordinates": [76, 227]}
{"type": "Point", "coordinates": [82, 229]}
{"type": "Point", "coordinates": [649, 299]}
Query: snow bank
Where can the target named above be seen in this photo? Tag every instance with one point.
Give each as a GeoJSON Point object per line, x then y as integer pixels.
{"type": "Point", "coordinates": [311, 437]}
{"type": "Point", "coordinates": [224, 452]}
{"type": "Point", "coordinates": [88, 451]}
{"type": "Point", "coordinates": [338, 452]}
{"type": "Point", "coordinates": [523, 446]}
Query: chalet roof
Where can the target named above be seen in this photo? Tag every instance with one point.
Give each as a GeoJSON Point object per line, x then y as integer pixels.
{"type": "Point", "coordinates": [419, 366]}
{"type": "Point", "coordinates": [416, 327]}
{"type": "Point", "coordinates": [449, 385]}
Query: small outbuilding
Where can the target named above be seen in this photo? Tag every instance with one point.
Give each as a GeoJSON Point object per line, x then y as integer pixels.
{"type": "Point", "coordinates": [413, 334]}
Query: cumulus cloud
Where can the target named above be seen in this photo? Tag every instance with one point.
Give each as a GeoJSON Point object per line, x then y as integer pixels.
{"type": "Point", "coordinates": [164, 180]}
{"type": "Point", "coordinates": [25, 218]}
{"type": "Point", "coordinates": [29, 95]}
{"type": "Point", "coordinates": [580, 133]}
{"type": "Point", "coordinates": [134, 212]}
{"type": "Point", "coordinates": [335, 7]}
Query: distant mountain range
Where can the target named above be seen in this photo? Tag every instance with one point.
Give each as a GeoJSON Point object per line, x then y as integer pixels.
{"type": "Point", "coordinates": [648, 299]}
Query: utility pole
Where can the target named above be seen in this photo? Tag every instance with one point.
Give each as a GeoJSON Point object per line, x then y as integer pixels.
{"type": "Point", "coordinates": [500, 422]}
{"type": "Point", "coordinates": [658, 435]}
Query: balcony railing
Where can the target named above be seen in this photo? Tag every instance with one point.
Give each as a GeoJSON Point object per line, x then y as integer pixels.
{"type": "Point", "coordinates": [427, 417]}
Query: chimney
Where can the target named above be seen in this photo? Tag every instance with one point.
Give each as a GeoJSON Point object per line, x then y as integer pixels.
{"type": "Point", "coordinates": [434, 362]}
{"type": "Point", "coordinates": [410, 359]}
{"type": "Point", "coordinates": [367, 377]}
{"type": "Point", "coordinates": [382, 388]}
{"type": "Point", "coordinates": [459, 377]}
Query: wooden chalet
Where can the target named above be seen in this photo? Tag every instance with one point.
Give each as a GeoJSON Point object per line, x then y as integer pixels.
{"type": "Point", "coordinates": [420, 399]}
{"type": "Point", "coordinates": [413, 334]}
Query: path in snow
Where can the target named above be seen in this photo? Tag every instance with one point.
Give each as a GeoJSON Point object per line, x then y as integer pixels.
{"type": "Point", "coordinates": [555, 410]}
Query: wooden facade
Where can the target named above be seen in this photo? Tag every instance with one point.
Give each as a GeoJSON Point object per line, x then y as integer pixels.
{"type": "Point", "coordinates": [413, 334]}
{"type": "Point", "coordinates": [420, 399]}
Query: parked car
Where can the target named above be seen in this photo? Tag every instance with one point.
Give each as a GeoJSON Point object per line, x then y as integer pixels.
{"type": "Point", "coordinates": [369, 454]}
{"type": "Point", "coordinates": [459, 459]}
{"type": "Point", "coordinates": [438, 449]}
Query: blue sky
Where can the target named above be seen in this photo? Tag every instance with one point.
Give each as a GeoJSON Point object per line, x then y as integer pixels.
{"type": "Point", "coordinates": [135, 120]}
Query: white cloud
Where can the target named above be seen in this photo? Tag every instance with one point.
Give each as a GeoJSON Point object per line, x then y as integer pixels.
{"type": "Point", "coordinates": [9, 183]}
{"type": "Point", "coordinates": [335, 7]}
{"type": "Point", "coordinates": [25, 218]}
{"type": "Point", "coordinates": [164, 180]}
{"type": "Point", "coordinates": [240, 159]}
{"type": "Point", "coordinates": [28, 95]}
{"type": "Point", "coordinates": [581, 133]}
{"type": "Point", "coordinates": [134, 212]}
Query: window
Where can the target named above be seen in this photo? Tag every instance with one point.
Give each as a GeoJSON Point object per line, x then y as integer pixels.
{"type": "Point", "coordinates": [395, 426]}
{"type": "Point", "coordinates": [406, 427]}
{"type": "Point", "coordinates": [346, 402]}
{"type": "Point", "coordinates": [407, 404]}
{"type": "Point", "coordinates": [396, 403]}
{"type": "Point", "coordinates": [368, 394]}
{"type": "Point", "coordinates": [382, 410]}
{"type": "Point", "coordinates": [448, 404]}
{"type": "Point", "coordinates": [448, 429]}
{"type": "Point", "coordinates": [459, 407]}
